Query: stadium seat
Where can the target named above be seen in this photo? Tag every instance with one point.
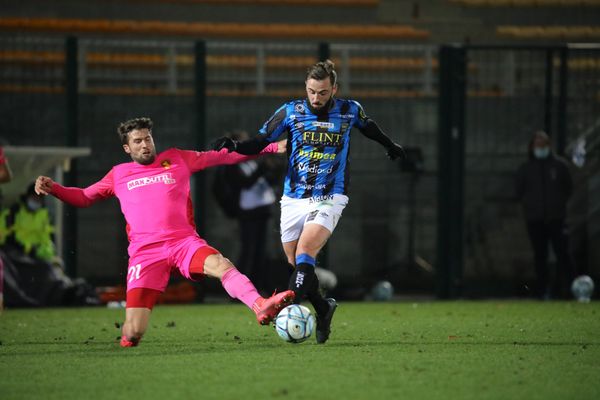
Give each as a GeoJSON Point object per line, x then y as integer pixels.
{"type": "Point", "coordinates": [549, 32]}
{"type": "Point", "coordinates": [218, 30]}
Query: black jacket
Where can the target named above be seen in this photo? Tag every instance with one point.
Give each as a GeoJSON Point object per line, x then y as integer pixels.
{"type": "Point", "coordinates": [544, 187]}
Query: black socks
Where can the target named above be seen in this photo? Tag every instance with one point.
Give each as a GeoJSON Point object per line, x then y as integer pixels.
{"type": "Point", "coordinates": [305, 284]}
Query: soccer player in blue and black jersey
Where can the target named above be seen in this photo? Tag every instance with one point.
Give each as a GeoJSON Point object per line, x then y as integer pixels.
{"type": "Point", "coordinates": [316, 184]}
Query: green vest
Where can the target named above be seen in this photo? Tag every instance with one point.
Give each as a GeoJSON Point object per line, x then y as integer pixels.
{"type": "Point", "coordinates": [33, 231]}
{"type": "Point", "coordinates": [5, 230]}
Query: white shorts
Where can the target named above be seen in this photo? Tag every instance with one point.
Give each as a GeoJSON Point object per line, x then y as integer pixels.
{"type": "Point", "coordinates": [323, 210]}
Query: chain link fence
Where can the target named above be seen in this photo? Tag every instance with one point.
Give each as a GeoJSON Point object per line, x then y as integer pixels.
{"type": "Point", "coordinates": [245, 84]}
{"type": "Point", "coordinates": [389, 228]}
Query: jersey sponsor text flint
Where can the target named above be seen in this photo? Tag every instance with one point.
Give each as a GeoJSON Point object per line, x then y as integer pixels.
{"type": "Point", "coordinates": [327, 138]}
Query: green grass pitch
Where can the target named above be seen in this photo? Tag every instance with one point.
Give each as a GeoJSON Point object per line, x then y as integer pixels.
{"type": "Point", "coordinates": [404, 350]}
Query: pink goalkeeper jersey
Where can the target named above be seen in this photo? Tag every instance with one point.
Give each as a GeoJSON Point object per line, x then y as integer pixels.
{"type": "Point", "coordinates": [155, 198]}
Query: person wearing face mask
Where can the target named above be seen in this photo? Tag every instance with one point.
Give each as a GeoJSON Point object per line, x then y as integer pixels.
{"type": "Point", "coordinates": [34, 275]}
{"type": "Point", "coordinates": [544, 185]}
{"type": "Point", "coordinates": [31, 229]}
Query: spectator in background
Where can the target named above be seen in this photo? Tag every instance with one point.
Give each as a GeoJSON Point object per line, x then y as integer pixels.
{"type": "Point", "coordinates": [544, 185]}
{"type": "Point", "coordinates": [5, 176]}
{"type": "Point", "coordinates": [34, 274]}
{"type": "Point", "coordinates": [31, 229]}
{"type": "Point", "coordinates": [256, 196]}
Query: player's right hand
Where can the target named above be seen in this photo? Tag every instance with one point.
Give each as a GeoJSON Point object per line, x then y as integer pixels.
{"type": "Point", "coordinates": [224, 143]}
{"type": "Point", "coordinates": [43, 185]}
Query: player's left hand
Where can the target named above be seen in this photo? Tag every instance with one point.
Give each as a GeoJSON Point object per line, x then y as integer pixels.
{"type": "Point", "coordinates": [396, 151]}
{"type": "Point", "coordinates": [224, 143]}
{"type": "Point", "coordinates": [43, 185]}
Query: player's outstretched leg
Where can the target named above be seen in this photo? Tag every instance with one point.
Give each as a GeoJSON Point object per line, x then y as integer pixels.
{"type": "Point", "coordinates": [239, 287]}
{"type": "Point", "coordinates": [267, 309]}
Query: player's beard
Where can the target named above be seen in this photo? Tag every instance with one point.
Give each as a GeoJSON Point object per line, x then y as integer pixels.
{"type": "Point", "coordinates": [145, 159]}
{"type": "Point", "coordinates": [322, 107]}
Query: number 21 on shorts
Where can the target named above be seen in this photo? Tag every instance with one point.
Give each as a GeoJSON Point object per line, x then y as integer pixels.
{"type": "Point", "coordinates": [134, 272]}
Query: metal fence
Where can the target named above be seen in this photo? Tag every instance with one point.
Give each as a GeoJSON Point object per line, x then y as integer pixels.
{"type": "Point", "coordinates": [395, 223]}
{"type": "Point", "coordinates": [509, 93]}
{"type": "Point", "coordinates": [244, 84]}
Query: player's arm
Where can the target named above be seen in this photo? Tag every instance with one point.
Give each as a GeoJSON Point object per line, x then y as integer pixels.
{"type": "Point", "coordinates": [198, 160]}
{"type": "Point", "coordinates": [5, 172]}
{"type": "Point", "coordinates": [75, 196]}
{"type": "Point", "coordinates": [370, 129]}
{"type": "Point", "coordinates": [247, 147]}
{"type": "Point", "coordinates": [269, 133]}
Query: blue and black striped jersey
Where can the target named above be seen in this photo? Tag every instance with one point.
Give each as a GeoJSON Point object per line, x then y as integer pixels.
{"type": "Point", "coordinates": [318, 145]}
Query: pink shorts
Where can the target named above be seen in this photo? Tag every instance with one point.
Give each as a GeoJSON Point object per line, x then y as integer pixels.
{"type": "Point", "coordinates": [151, 265]}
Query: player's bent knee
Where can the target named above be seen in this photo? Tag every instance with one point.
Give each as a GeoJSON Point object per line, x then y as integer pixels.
{"type": "Point", "coordinates": [136, 322]}
{"type": "Point", "coordinates": [134, 328]}
{"type": "Point", "coordinates": [217, 266]}
{"type": "Point", "coordinates": [224, 266]}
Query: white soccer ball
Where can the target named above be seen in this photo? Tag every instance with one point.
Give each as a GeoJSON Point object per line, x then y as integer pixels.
{"type": "Point", "coordinates": [582, 288]}
{"type": "Point", "coordinates": [295, 323]}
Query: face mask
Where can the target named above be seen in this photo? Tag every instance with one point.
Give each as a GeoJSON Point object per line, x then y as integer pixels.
{"type": "Point", "coordinates": [541, 152]}
{"type": "Point", "coordinates": [33, 205]}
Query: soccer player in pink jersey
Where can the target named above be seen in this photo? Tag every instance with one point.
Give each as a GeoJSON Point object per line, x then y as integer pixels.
{"type": "Point", "coordinates": [154, 193]}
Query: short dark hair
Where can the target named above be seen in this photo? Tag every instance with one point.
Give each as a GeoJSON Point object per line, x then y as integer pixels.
{"type": "Point", "coordinates": [132, 125]}
{"type": "Point", "coordinates": [322, 70]}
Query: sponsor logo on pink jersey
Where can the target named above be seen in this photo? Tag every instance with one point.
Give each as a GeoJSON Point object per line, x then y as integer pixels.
{"type": "Point", "coordinates": [167, 179]}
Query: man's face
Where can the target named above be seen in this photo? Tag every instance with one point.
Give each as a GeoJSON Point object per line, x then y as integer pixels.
{"type": "Point", "coordinates": [140, 146]}
{"type": "Point", "coordinates": [34, 202]}
{"type": "Point", "coordinates": [319, 92]}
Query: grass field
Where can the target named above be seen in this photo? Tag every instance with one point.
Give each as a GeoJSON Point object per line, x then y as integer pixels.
{"type": "Point", "coordinates": [404, 350]}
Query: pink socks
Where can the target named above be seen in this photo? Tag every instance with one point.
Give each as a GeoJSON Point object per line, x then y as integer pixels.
{"type": "Point", "coordinates": [238, 286]}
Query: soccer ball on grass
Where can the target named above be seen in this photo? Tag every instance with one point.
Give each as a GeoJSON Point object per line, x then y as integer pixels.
{"type": "Point", "coordinates": [295, 323]}
{"type": "Point", "coordinates": [582, 288]}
